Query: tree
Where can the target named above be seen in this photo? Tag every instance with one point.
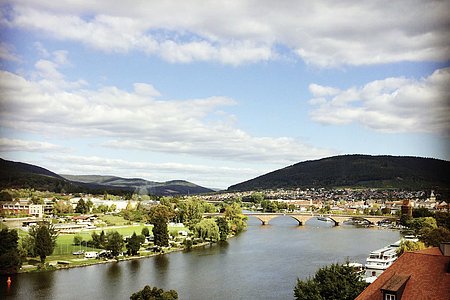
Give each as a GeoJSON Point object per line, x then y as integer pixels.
{"type": "Point", "coordinates": [421, 212]}
{"type": "Point", "coordinates": [192, 212]}
{"type": "Point", "coordinates": [224, 228]}
{"type": "Point", "coordinates": [10, 261]}
{"type": "Point", "coordinates": [434, 237]}
{"type": "Point", "coordinates": [307, 290]}
{"type": "Point", "coordinates": [160, 233]}
{"type": "Point", "coordinates": [62, 207]}
{"type": "Point", "coordinates": [44, 240]}
{"type": "Point", "coordinates": [419, 224]}
{"type": "Point", "coordinates": [81, 207]}
{"type": "Point", "coordinates": [207, 229]}
{"type": "Point", "coordinates": [409, 246]}
{"type": "Point", "coordinates": [159, 216]}
{"type": "Point", "coordinates": [443, 219]}
{"type": "Point", "coordinates": [331, 282]}
{"type": "Point", "coordinates": [114, 243]}
{"type": "Point", "coordinates": [148, 293]}
{"type": "Point", "coordinates": [5, 196]}
{"type": "Point", "coordinates": [145, 231]}
{"type": "Point", "coordinates": [233, 214]}
{"type": "Point", "coordinates": [98, 240]}
{"type": "Point", "coordinates": [134, 244]}
{"type": "Point", "coordinates": [77, 240]}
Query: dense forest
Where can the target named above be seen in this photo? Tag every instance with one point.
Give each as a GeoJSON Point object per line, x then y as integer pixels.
{"type": "Point", "coordinates": [357, 171]}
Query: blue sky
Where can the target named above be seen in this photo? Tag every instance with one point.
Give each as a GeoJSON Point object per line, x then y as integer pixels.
{"type": "Point", "coordinates": [218, 92]}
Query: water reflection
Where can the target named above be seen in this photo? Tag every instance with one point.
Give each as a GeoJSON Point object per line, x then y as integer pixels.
{"type": "Point", "coordinates": [261, 263]}
{"type": "Point", "coordinates": [134, 266]}
{"type": "Point", "coordinates": [114, 270]}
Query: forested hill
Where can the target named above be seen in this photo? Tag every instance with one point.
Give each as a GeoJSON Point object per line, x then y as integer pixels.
{"type": "Point", "coordinates": [22, 175]}
{"type": "Point", "coordinates": [356, 171]}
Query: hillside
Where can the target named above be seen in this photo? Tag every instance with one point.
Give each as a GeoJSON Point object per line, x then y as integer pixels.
{"type": "Point", "coordinates": [22, 175]}
{"type": "Point", "coordinates": [356, 171]}
{"type": "Point", "coordinates": [140, 185]}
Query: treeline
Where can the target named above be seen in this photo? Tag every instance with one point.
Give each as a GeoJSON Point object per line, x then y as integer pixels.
{"type": "Point", "coordinates": [357, 171]}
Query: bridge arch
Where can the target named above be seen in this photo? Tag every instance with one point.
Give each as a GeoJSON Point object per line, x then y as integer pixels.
{"type": "Point", "coordinates": [266, 218]}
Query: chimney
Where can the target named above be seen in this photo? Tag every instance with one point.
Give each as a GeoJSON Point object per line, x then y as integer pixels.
{"type": "Point", "coordinates": [445, 248]}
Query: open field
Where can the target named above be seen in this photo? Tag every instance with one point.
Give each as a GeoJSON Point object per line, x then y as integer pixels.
{"type": "Point", "coordinates": [64, 246]}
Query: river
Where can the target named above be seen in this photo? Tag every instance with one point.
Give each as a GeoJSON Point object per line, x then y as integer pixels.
{"type": "Point", "coordinates": [263, 262]}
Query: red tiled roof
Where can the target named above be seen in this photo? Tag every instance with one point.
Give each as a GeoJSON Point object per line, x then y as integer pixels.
{"type": "Point", "coordinates": [428, 276]}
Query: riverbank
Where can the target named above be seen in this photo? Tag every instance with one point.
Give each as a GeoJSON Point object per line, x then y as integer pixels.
{"type": "Point", "coordinates": [53, 265]}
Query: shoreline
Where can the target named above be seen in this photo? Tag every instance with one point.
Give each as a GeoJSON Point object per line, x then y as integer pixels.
{"type": "Point", "coordinates": [55, 266]}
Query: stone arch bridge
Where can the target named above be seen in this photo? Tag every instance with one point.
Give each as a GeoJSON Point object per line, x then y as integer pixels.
{"type": "Point", "coordinates": [302, 218]}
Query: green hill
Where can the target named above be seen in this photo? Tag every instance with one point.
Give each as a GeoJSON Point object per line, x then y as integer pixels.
{"type": "Point", "coordinates": [22, 175]}
{"type": "Point", "coordinates": [356, 171]}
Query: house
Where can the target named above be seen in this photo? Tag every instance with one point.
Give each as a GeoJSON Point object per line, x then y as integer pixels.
{"type": "Point", "coordinates": [21, 207]}
{"type": "Point", "coordinates": [422, 274]}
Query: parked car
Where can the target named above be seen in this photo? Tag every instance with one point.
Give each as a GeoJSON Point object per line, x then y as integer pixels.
{"type": "Point", "coordinates": [105, 254]}
{"type": "Point", "coordinates": [79, 252]}
{"type": "Point", "coordinates": [91, 254]}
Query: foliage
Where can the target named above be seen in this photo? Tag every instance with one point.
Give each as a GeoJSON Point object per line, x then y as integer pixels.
{"type": "Point", "coordinates": [134, 243]}
{"type": "Point", "coordinates": [44, 240]}
{"type": "Point", "coordinates": [145, 231]}
{"type": "Point", "coordinates": [420, 224]}
{"type": "Point", "coordinates": [114, 243]}
{"type": "Point", "coordinates": [5, 196]}
{"type": "Point", "coordinates": [77, 240]}
{"type": "Point", "coordinates": [148, 293]}
{"type": "Point", "coordinates": [409, 246]}
{"type": "Point", "coordinates": [269, 206]}
{"type": "Point", "coordinates": [421, 212]}
{"type": "Point", "coordinates": [405, 219]}
{"type": "Point", "coordinates": [10, 261]}
{"type": "Point", "coordinates": [160, 232]}
{"type": "Point", "coordinates": [224, 228]}
{"type": "Point", "coordinates": [331, 282]}
{"type": "Point", "coordinates": [443, 219]}
{"type": "Point", "coordinates": [233, 214]}
{"type": "Point", "coordinates": [207, 229]}
{"type": "Point", "coordinates": [191, 212]}
{"type": "Point", "coordinates": [356, 170]}
{"type": "Point", "coordinates": [434, 237]}
{"type": "Point", "coordinates": [62, 207]}
{"type": "Point", "coordinates": [82, 207]}
{"type": "Point", "coordinates": [307, 290]}
{"type": "Point", "coordinates": [160, 212]}
{"type": "Point", "coordinates": [98, 240]}
{"type": "Point", "coordinates": [159, 215]}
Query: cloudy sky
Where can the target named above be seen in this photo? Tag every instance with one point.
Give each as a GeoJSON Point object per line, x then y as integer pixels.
{"type": "Point", "coordinates": [218, 92]}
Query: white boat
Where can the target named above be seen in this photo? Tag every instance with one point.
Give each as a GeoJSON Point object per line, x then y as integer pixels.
{"type": "Point", "coordinates": [379, 260]}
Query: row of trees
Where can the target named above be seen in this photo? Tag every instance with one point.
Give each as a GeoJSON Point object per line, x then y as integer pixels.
{"type": "Point", "coordinates": [113, 241]}
{"type": "Point", "coordinates": [432, 228]}
{"type": "Point", "coordinates": [339, 282]}
{"type": "Point", "coordinates": [40, 242]}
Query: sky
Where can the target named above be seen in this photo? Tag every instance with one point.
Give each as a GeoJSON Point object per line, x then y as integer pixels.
{"type": "Point", "coordinates": [219, 92]}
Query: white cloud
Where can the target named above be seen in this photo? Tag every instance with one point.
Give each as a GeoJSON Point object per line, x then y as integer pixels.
{"type": "Point", "coordinates": [389, 105]}
{"type": "Point", "coordinates": [7, 52]}
{"type": "Point", "coordinates": [49, 104]}
{"type": "Point", "coordinates": [209, 176]}
{"type": "Point", "coordinates": [323, 33]}
{"type": "Point", "coordinates": [16, 145]}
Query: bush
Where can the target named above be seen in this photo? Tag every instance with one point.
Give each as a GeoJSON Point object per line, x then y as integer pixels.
{"type": "Point", "coordinates": [148, 293]}
{"type": "Point", "coordinates": [77, 240]}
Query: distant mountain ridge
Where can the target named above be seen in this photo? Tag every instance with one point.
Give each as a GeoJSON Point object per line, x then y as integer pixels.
{"type": "Point", "coordinates": [356, 171]}
{"type": "Point", "coordinates": [22, 175]}
{"type": "Point", "coordinates": [141, 185]}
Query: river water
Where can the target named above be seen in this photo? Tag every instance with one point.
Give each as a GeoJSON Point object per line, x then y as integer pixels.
{"type": "Point", "coordinates": [263, 262]}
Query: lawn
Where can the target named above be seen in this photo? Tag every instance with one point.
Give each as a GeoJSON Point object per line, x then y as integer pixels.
{"type": "Point", "coordinates": [64, 244]}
